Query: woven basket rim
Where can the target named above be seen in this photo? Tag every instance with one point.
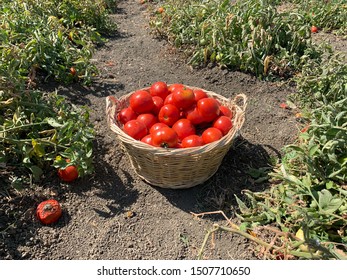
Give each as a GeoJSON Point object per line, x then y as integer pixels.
{"type": "Point", "coordinates": [238, 119]}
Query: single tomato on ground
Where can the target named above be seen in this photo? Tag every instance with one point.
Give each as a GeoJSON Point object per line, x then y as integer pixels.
{"type": "Point", "coordinates": [48, 211]}
{"type": "Point", "coordinates": [68, 174]}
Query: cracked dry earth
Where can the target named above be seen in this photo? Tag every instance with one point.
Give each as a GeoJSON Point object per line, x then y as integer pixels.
{"type": "Point", "coordinates": [114, 214]}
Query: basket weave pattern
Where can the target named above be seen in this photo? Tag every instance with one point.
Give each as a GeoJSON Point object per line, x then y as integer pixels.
{"type": "Point", "coordinates": [176, 168]}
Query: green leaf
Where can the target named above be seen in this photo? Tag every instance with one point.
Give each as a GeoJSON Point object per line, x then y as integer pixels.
{"type": "Point", "coordinates": [243, 208]}
{"type": "Point", "coordinates": [327, 203]}
{"type": "Point", "coordinates": [36, 171]}
{"type": "Point", "coordinates": [54, 123]}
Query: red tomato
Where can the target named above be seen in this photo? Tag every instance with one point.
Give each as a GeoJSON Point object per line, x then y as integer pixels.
{"type": "Point", "coordinates": [126, 114]}
{"type": "Point", "coordinates": [225, 111]}
{"type": "Point", "coordinates": [147, 139]}
{"type": "Point", "coordinates": [192, 141]}
{"type": "Point", "coordinates": [183, 128]}
{"type": "Point", "coordinates": [68, 174]}
{"type": "Point", "coordinates": [135, 129]}
{"type": "Point", "coordinates": [194, 116]}
{"type": "Point", "coordinates": [224, 124]}
{"type": "Point", "coordinates": [314, 29]}
{"type": "Point", "coordinates": [208, 108]}
{"type": "Point", "coordinates": [199, 94]}
{"type": "Point", "coordinates": [48, 211]}
{"type": "Point", "coordinates": [168, 99]}
{"type": "Point", "coordinates": [173, 87]}
{"type": "Point", "coordinates": [169, 114]}
{"type": "Point", "coordinates": [211, 134]}
{"type": "Point", "coordinates": [158, 103]}
{"type": "Point", "coordinates": [165, 137]}
{"type": "Point", "coordinates": [159, 89]}
{"type": "Point", "coordinates": [141, 102]}
{"type": "Point", "coordinates": [183, 98]}
{"type": "Point", "coordinates": [156, 126]}
{"type": "Point", "coordinates": [147, 119]}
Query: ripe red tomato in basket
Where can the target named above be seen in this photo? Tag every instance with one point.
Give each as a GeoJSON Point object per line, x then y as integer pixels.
{"type": "Point", "coordinates": [208, 108]}
{"type": "Point", "coordinates": [183, 98]}
{"type": "Point", "coordinates": [68, 174]}
{"type": "Point", "coordinates": [194, 116]}
{"type": "Point", "coordinates": [159, 89]}
{"type": "Point", "coordinates": [141, 102]}
{"type": "Point", "coordinates": [147, 119]}
{"type": "Point", "coordinates": [183, 128]}
{"type": "Point", "coordinates": [169, 114]}
{"type": "Point", "coordinates": [48, 211]}
{"type": "Point", "coordinates": [199, 94]}
{"type": "Point", "coordinates": [135, 129]}
{"type": "Point", "coordinates": [211, 134]}
{"type": "Point", "coordinates": [224, 124]}
{"type": "Point", "coordinates": [165, 137]}
{"type": "Point", "coordinates": [126, 114]}
{"type": "Point", "coordinates": [147, 139]}
{"type": "Point", "coordinates": [156, 126]}
{"type": "Point", "coordinates": [192, 141]}
{"type": "Point", "coordinates": [168, 99]}
{"type": "Point", "coordinates": [174, 87]}
{"type": "Point", "coordinates": [158, 103]}
{"type": "Point", "coordinates": [225, 111]}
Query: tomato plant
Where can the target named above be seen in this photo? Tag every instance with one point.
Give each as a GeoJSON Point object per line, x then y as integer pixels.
{"type": "Point", "coordinates": [165, 137]}
{"type": "Point", "coordinates": [141, 102]}
{"type": "Point", "coordinates": [48, 211]}
{"type": "Point", "coordinates": [159, 89]}
{"type": "Point", "coordinates": [126, 114]}
{"type": "Point", "coordinates": [169, 114]}
{"type": "Point", "coordinates": [183, 128]}
{"type": "Point", "coordinates": [211, 134]}
{"type": "Point", "coordinates": [192, 141]}
{"type": "Point", "coordinates": [224, 124]}
{"type": "Point", "coordinates": [135, 129]}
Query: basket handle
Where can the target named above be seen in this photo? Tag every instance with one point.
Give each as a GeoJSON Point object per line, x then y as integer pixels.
{"type": "Point", "coordinates": [111, 103]}
{"type": "Point", "coordinates": [241, 101]}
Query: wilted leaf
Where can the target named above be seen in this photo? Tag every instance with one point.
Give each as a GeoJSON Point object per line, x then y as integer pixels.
{"type": "Point", "coordinates": [327, 202]}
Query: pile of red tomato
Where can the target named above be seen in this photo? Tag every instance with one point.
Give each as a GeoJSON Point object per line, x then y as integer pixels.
{"type": "Point", "coordinates": [174, 116]}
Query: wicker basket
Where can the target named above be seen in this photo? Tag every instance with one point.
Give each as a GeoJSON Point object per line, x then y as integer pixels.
{"type": "Point", "coordinates": [176, 168]}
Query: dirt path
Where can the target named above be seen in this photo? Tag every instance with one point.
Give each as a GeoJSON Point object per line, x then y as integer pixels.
{"type": "Point", "coordinates": [114, 214]}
